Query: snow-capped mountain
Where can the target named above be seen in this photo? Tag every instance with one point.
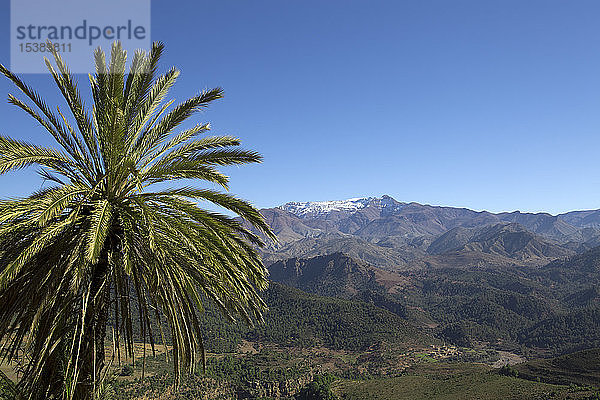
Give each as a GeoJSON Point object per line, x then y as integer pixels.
{"type": "Point", "coordinates": [310, 209]}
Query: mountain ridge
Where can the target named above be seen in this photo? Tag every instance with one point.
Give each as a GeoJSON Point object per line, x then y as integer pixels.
{"type": "Point", "coordinates": [402, 236]}
{"type": "Point", "coordinates": [589, 217]}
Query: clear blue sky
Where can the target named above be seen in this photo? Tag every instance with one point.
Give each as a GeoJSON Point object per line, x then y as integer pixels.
{"type": "Point", "coordinates": [483, 104]}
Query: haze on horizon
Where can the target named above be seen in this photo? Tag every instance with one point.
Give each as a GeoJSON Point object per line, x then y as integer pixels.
{"type": "Point", "coordinates": [485, 105]}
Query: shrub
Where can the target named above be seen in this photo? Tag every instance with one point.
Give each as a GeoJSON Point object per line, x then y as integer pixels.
{"type": "Point", "coordinates": [318, 389]}
{"type": "Point", "coordinates": [127, 370]}
{"type": "Point", "coordinates": [507, 370]}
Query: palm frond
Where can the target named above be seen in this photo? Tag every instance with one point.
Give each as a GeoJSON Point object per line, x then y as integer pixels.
{"type": "Point", "coordinates": [99, 228]}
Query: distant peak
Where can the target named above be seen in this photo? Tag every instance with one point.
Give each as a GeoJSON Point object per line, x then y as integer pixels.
{"type": "Point", "coordinates": [317, 208]}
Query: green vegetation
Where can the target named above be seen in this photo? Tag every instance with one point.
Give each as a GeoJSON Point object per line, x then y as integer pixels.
{"type": "Point", "coordinates": [246, 376]}
{"type": "Point", "coordinates": [454, 382]}
{"type": "Point", "coordinates": [507, 309]}
{"type": "Point", "coordinates": [266, 366]}
{"type": "Point", "coordinates": [507, 370]}
{"type": "Point", "coordinates": [565, 332]}
{"type": "Point", "coordinates": [318, 389]}
{"type": "Point", "coordinates": [554, 308]}
{"type": "Point", "coordinates": [580, 368]}
{"type": "Point", "coordinates": [288, 374]}
{"type": "Point", "coordinates": [300, 319]}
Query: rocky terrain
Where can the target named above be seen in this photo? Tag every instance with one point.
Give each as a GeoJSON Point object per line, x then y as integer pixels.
{"type": "Point", "coordinates": [401, 236]}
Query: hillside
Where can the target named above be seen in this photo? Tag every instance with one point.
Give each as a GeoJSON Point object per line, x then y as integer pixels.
{"type": "Point", "coordinates": [341, 276]}
{"type": "Point", "coordinates": [508, 308]}
{"type": "Point", "coordinates": [395, 257]}
{"type": "Point", "coordinates": [454, 382]}
{"type": "Point", "coordinates": [337, 275]}
{"type": "Point", "coordinates": [297, 318]}
{"type": "Point", "coordinates": [565, 332]}
{"type": "Point", "coordinates": [582, 368]}
{"type": "Point", "coordinates": [506, 239]}
{"type": "Point", "coordinates": [550, 226]}
{"type": "Point", "coordinates": [579, 269]}
{"type": "Point", "coordinates": [410, 236]}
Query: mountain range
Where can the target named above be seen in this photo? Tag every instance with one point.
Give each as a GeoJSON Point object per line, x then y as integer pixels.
{"type": "Point", "coordinates": [525, 282]}
{"type": "Point", "coordinates": [406, 236]}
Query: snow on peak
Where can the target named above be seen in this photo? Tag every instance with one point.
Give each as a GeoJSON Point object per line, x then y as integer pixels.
{"type": "Point", "coordinates": [316, 208]}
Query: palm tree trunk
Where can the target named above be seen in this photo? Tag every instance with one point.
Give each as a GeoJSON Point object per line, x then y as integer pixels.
{"type": "Point", "coordinates": [91, 357]}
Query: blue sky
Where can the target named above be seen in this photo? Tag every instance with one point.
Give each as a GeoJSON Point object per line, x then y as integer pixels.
{"type": "Point", "coordinates": [482, 104]}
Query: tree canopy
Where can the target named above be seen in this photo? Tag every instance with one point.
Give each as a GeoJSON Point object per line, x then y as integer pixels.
{"type": "Point", "coordinates": [107, 238]}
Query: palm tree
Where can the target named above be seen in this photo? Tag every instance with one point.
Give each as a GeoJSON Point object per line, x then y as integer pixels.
{"type": "Point", "coordinates": [103, 241]}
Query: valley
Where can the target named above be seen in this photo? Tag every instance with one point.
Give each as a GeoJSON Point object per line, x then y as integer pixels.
{"type": "Point", "coordinates": [407, 301]}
